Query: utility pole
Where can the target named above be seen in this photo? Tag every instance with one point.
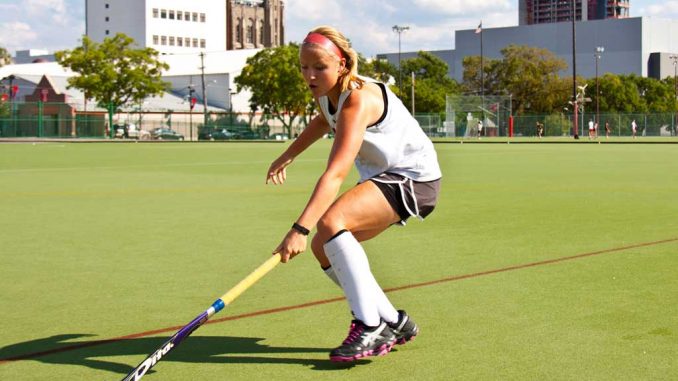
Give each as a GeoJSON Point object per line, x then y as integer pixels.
{"type": "Point", "coordinates": [412, 93]}
{"type": "Point", "coordinates": [599, 52]}
{"type": "Point", "coordinates": [204, 88]}
{"type": "Point", "coordinates": [400, 29]}
{"type": "Point", "coordinates": [674, 58]}
{"type": "Point", "coordinates": [574, 70]}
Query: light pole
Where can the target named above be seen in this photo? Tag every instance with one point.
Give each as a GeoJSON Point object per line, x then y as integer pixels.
{"type": "Point", "coordinates": [192, 100]}
{"type": "Point", "coordinates": [599, 52]}
{"type": "Point", "coordinates": [573, 15]}
{"type": "Point", "coordinates": [204, 88]}
{"type": "Point", "coordinates": [412, 93]}
{"type": "Point", "coordinates": [674, 58]}
{"type": "Point", "coordinates": [400, 29]}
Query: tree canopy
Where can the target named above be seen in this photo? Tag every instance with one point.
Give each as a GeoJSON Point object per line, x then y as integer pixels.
{"type": "Point", "coordinates": [114, 72]}
{"type": "Point", "coordinates": [529, 74]}
{"type": "Point", "coordinates": [431, 83]}
{"type": "Point", "coordinates": [5, 57]}
{"type": "Point", "coordinates": [277, 86]}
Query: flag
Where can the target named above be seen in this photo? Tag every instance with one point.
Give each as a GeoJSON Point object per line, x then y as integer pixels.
{"type": "Point", "coordinates": [479, 29]}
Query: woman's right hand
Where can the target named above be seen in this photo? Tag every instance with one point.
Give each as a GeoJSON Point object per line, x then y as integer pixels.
{"type": "Point", "coordinates": [277, 172]}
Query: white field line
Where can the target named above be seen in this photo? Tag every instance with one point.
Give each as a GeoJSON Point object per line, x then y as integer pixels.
{"type": "Point", "coordinates": [98, 168]}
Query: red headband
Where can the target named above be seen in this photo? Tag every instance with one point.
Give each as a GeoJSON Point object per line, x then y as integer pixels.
{"type": "Point", "coordinates": [317, 38]}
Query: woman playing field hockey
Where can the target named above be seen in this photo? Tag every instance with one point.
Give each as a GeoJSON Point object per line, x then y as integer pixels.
{"type": "Point", "coordinates": [399, 178]}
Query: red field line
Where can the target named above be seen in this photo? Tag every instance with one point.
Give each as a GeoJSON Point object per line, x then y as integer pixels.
{"type": "Point", "coordinates": [75, 346]}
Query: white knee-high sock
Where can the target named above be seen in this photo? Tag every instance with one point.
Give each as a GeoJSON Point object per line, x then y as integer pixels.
{"type": "Point", "coordinates": [333, 277]}
{"type": "Point", "coordinates": [351, 267]}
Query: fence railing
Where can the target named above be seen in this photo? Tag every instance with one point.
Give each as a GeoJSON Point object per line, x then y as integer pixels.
{"type": "Point", "coordinates": [58, 120]}
{"type": "Point", "coordinates": [612, 124]}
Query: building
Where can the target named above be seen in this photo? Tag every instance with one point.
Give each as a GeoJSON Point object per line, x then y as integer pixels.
{"type": "Point", "coordinates": [255, 24]}
{"type": "Point", "coordinates": [180, 26]}
{"type": "Point", "coordinates": [552, 11]}
{"type": "Point", "coordinates": [638, 45]}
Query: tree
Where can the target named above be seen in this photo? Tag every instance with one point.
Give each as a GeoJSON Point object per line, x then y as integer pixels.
{"type": "Point", "coordinates": [5, 57]}
{"type": "Point", "coordinates": [381, 70]}
{"type": "Point", "coordinates": [277, 86]}
{"type": "Point", "coordinates": [471, 75]}
{"type": "Point", "coordinates": [529, 74]}
{"type": "Point", "coordinates": [431, 84]}
{"type": "Point", "coordinates": [113, 72]}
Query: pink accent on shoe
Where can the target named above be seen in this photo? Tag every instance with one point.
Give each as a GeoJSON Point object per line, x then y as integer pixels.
{"type": "Point", "coordinates": [354, 332]}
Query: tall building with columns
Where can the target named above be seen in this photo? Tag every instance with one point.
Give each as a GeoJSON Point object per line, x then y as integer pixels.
{"type": "Point", "coordinates": [181, 26]}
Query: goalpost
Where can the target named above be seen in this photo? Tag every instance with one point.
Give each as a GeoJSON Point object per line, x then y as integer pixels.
{"type": "Point", "coordinates": [463, 112]}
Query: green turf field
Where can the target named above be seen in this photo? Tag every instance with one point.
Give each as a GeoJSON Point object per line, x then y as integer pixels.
{"type": "Point", "coordinates": [541, 262]}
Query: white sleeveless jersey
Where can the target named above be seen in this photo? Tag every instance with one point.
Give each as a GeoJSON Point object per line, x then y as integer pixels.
{"type": "Point", "coordinates": [396, 143]}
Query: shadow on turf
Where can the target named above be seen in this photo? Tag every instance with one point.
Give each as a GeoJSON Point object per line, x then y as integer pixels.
{"type": "Point", "coordinates": [61, 350]}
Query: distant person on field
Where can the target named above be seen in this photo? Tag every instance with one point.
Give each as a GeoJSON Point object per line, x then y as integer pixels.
{"type": "Point", "coordinates": [592, 128]}
{"type": "Point", "coordinates": [540, 129]}
{"type": "Point", "coordinates": [399, 179]}
{"type": "Point", "coordinates": [634, 128]}
{"type": "Point", "coordinates": [607, 130]}
{"type": "Point", "coordinates": [480, 128]}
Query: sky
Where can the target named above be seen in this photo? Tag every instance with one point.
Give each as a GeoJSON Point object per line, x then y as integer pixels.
{"type": "Point", "coordinates": [59, 24]}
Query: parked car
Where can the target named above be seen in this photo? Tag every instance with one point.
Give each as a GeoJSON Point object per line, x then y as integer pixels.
{"type": "Point", "coordinates": [210, 133]}
{"type": "Point", "coordinates": [205, 133]}
{"type": "Point", "coordinates": [130, 131]}
{"type": "Point", "coordinates": [222, 134]}
{"type": "Point", "coordinates": [165, 133]}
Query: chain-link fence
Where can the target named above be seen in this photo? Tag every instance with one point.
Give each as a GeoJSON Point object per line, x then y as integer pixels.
{"type": "Point", "coordinates": [60, 120]}
{"type": "Point", "coordinates": [463, 116]}
{"type": "Point", "coordinates": [610, 124]}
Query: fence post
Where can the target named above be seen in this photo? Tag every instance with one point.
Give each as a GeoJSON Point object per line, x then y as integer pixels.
{"type": "Point", "coordinates": [511, 126]}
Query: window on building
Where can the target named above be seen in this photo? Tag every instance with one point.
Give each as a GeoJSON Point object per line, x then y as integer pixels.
{"type": "Point", "coordinates": [195, 42]}
{"type": "Point", "coordinates": [187, 41]}
{"type": "Point", "coordinates": [180, 41]}
{"type": "Point", "coordinates": [163, 40]}
{"type": "Point", "coordinates": [238, 29]}
{"type": "Point", "coordinates": [203, 43]}
{"type": "Point", "coordinates": [171, 41]}
{"type": "Point", "coordinates": [107, 19]}
{"type": "Point", "coordinates": [248, 30]}
{"type": "Point", "coordinates": [107, 5]}
{"type": "Point", "coordinates": [156, 39]}
{"type": "Point", "coordinates": [163, 13]}
{"type": "Point", "coordinates": [108, 32]}
{"type": "Point", "coordinates": [171, 14]}
{"type": "Point", "coordinates": [187, 16]}
{"type": "Point", "coordinates": [195, 16]}
{"type": "Point", "coordinates": [261, 31]}
{"type": "Point", "coordinates": [156, 12]}
{"type": "Point", "coordinates": [180, 15]}
{"type": "Point", "coordinates": [203, 18]}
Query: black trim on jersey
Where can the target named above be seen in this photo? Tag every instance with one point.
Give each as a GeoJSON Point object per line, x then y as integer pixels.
{"type": "Point", "coordinates": [383, 115]}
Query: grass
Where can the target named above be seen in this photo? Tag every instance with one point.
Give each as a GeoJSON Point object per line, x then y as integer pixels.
{"type": "Point", "coordinates": [102, 241]}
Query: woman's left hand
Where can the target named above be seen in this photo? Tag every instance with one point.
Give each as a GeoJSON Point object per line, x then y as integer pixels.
{"type": "Point", "coordinates": [294, 243]}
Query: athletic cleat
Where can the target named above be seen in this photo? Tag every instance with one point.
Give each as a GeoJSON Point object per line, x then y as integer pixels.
{"type": "Point", "coordinates": [363, 341]}
{"type": "Point", "coordinates": [405, 329]}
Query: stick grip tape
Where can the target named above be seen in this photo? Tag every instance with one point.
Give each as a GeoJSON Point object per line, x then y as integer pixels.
{"type": "Point", "coordinates": [251, 279]}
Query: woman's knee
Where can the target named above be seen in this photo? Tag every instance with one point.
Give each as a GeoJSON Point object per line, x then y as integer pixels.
{"type": "Point", "coordinates": [317, 246]}
{"type": "Point", "coordinates": [329, 224]}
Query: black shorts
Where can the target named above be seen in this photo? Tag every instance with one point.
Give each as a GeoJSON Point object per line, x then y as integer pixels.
{"type": "Point", "coordinates": [398, 191]}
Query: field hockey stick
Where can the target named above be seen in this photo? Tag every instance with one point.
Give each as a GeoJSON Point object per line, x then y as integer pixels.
{"type": "Point", "coordinates": [217, 306]}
